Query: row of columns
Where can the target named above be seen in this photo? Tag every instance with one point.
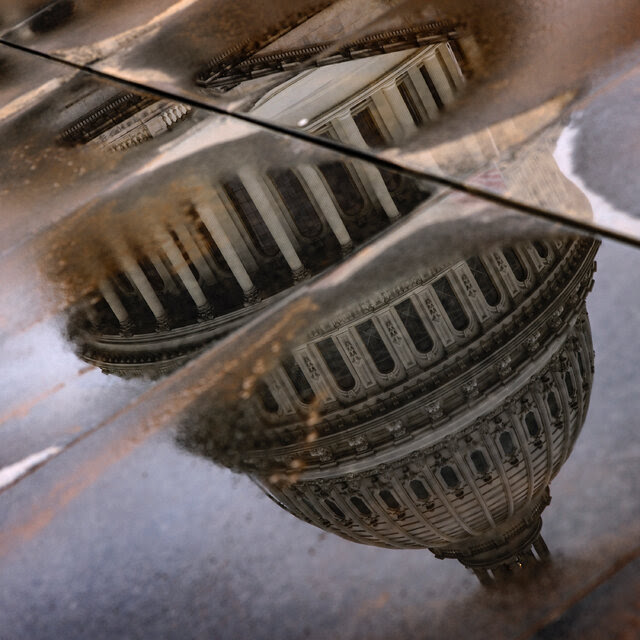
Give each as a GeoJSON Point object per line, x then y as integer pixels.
{"type": "Point", "coordinates": [397, 118]}
{"type": "Point", "coordinates": [208, 206]}
{"type": "Point", "coordinates": [446, 76]}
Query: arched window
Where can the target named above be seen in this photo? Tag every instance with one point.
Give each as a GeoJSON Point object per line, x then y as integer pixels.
{"type": "Point", "coordinates": [519, 270]}
{"type": "Point", "coordinates": [250, 218]}
{"type": "Point", "coordinates": [389, 499]}
{"type": "Point", "coordinates": [266, 397]}
{"type": "Point", "coordinates": [480, 462]}
{"type": "Point", "coordinates": [360, 505]}
{"type": "Point", "coordinates": [336, 364]}
{"type": "Point", "coordinates": [482, 277]}
{"type": "Point", "coordinates": [412, 322]}
{"type": "Point", "coordinates": [568, 380]}
{"type": "Point", "coordinates": [376, 347]}
{"type": "Point", "coordinates": [506, 442]}
{"type": "Point", "coordinates": [336, 510]}
{"type": "Point", "coordinates": [419, 490]}
{"type": "Point", "coordinates": [344, 189]}
{"type": "Point", "coordinates": [298, 379]}
{"type": "Point", "coordinates": [297, 202]}
{"type": "Point", "coordinates": [450, 477]}
{"type": "Point", "coordinates": [451, 304]}
{"type": "Point", "coordinates": [541, 248]}
{"type": "Point", "coordinates": [532, 424]}
{"type": "Point", "coordinates": [552, 402]}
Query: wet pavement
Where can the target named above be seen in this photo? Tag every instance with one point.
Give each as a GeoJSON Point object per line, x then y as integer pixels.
{"type": "Point", "coordinates": [371, 260]}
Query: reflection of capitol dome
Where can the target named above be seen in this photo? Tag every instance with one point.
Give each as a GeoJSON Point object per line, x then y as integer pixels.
{"type": "Point", "coordinates": [431, 415]}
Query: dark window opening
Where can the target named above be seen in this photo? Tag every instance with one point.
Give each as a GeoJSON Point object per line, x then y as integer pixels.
{"type": "Point", "coordinates": [298, 379]}
{"type": "Point", "coordinates": [336, 510]}
{"type": "Point", "coordinates": [410, 102]}
{"type": "Point", "coordinates": [124, 284]}
{"type": "Point", "coordinates": [406, 191]}
{"type": "Point", "coordinates": [552, 401]}
{"type": "Point", "coordinates": [519, 270]}
{"type": "Point", "coordinates": [482, 277]}
{"type": "Point", "coordinates": [506, 442]}
{"type": "Point", "coordinates": [297, 202]}
{"type": "Point", "coordinates": [154, 278]}
{"type": "Point", "coordinates": [541, 249]}
{"type": "Point", "coordinates": [251, 218]}
{"type": "Point", "coordinates": [336, 364]}
{"type": "Point", "coordinates": [412, 322]}
{"type": "Point", "coordinates": [419, 490]}
{"type": "Point", "coordinates": [532, 424]}
{"type": "Point", "coordinates": [343, 187]}
{"type": "Point", "coordinates": [580, 364]}
{"type": "Point", "coordinates": [432, 87]}
{"type": "Point", "coordinates": [451, 304]}
{"type": "Point", "coordinates": [376, 347]}
{"type": "Point", "coordinates": [568, 380]}
{"type": "Point", "coordinates": [368, 128]}
{"type": "Point", "coordinates": [450, 477]}
{"type": "Point", "coordinates": [389, 499]}
{"type": "Point", "coordinates": [360, 505]}
{"type": "Point", "coordinates": [266, 397]}
{"type": "Point", "coordinates": [480, 462]}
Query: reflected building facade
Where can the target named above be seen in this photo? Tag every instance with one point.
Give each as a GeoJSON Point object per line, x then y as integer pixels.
{"type": "Point", "coordinates": [245, 235]}
{"type": "Point", "coordinates": [433, 414]}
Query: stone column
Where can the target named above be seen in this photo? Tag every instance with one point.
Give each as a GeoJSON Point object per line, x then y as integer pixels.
{"type": "Point", "coordinates": [205, 311]}
{"type": "Point", "coordinates": [391, 121]}
{"type": "Point", "coordinates": [439, 79]}
{"type": "Point", "coordinates": [115, 304]}
{"type": "Point", "coordinates": [207, 212]}
{"type": "Point", "coordinates": [323, 199]}
{"type": "Point", "coordinates": [268, 209]}
{"type": "Point", "coordinates": [163, 273]}
{"type": "Point", "coordinates": [139, 280]}
{"type": "Point", "coordinates": [452, 64]}
{"type": "Point", "coordinates": [425, 94]}
{"type": "Point", "coordinates": [400, 109]}
{"type": "Point", "coordinates": [194, 252]}
{"type": "Point", "coordinates": [348, 132]}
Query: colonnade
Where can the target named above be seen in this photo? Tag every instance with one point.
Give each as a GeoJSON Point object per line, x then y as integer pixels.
{"type": "Point", "coordinates": [183, 249]}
